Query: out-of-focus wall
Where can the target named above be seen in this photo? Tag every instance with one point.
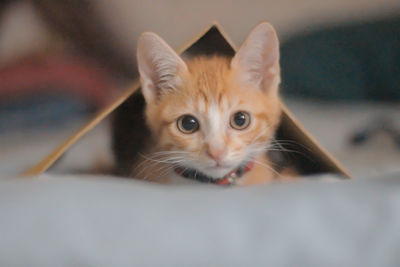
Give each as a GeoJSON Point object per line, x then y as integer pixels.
{"type": "Point", "coordinates": [178, 20]}
{"type": "Point", "coordinates": [22, 30]}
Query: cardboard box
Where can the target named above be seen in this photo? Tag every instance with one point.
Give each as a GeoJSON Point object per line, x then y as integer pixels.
{"type": "Point", "coordinates": [302, 149]}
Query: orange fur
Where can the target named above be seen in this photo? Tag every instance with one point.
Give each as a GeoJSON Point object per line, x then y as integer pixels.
{"type": "Point", "coordinates": [211, 89]}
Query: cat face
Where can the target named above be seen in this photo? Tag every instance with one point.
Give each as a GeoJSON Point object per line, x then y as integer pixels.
{"type": "Point", "coordinates": [211, 113]}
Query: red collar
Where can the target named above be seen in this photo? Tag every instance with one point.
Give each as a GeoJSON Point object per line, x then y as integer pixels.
{"type": "Point", "coordinates": [226, 180]}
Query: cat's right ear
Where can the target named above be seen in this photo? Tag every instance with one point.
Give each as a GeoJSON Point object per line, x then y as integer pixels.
{"type": "Point", "coordinates": [159, 66]}
{"type": "Point", "coordinates": [257, 60]}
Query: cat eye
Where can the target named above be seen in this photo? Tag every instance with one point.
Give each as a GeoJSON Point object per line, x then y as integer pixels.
{"type": "Point", "coordinates": [187, 124]}
{"type": "Point", "coordinates": [240, 120]}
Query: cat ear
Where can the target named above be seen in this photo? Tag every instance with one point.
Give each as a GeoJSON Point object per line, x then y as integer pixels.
{"type": "Point", "coordinates": [159, 66]}
{"type": "Point", "coordinates": [257, 60]}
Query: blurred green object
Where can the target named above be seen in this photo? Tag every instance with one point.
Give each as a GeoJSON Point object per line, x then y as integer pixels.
{"type": "Point", "coordinates": [349, 62]}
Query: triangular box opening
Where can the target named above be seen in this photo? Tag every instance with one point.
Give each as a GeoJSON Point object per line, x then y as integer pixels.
{"type": "Point", "coordinates": [302, 151]}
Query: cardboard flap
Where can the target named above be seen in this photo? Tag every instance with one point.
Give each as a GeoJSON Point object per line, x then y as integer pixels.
{"type": "Point", "coordinates": [310, 156]}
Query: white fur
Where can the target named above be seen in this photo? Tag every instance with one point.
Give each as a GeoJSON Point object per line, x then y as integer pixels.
{"type": "Point", "coordinates": [216, 126]}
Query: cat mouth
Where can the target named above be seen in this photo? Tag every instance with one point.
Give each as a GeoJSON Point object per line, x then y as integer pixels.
{"type": "Point", "coordinates": [228, 179]}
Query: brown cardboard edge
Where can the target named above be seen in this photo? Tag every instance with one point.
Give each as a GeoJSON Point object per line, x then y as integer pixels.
{"type": "Point", "coordinates": [49, 160]}
{"type": "Point", "coordinates": [53, 156]}
{"type": "Point", "coordinates": [313, 144]}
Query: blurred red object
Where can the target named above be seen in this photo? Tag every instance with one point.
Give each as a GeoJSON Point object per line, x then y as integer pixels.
{"type": "Point", "coordinates": [57, 73]}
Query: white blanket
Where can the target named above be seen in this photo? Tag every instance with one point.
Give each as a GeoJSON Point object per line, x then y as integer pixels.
{"type": "Point", "coordinates": [101, 221]}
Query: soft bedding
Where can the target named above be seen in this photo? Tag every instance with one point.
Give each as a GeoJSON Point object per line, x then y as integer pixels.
{"type": "Point", "coordinates": [103, 221]}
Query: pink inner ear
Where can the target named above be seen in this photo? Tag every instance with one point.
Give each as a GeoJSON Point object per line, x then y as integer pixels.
{"type": "Point", "coordinates": [159, 65]}
{"type": "Point", "coordinates": [257, 61]}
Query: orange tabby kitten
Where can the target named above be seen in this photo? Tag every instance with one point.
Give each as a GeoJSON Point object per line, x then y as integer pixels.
{"type": "Point", "coordinates": [211, 118]}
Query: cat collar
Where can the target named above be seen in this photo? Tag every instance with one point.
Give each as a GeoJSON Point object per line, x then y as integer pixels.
{"type": "Point", "coordinates": [228, 179]}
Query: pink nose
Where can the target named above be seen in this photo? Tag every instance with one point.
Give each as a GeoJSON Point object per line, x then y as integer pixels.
{"type": "Point", "coordinates": [215, 153]}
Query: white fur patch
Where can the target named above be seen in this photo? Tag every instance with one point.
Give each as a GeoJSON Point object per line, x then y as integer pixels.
{"type": "Point", "coordinates": [216, 126]}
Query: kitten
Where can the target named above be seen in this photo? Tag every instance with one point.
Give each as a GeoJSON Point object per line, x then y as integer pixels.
{"type": "Point", "coordinates": [210, 118]}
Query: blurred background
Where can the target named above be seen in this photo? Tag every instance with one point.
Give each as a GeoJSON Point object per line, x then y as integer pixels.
{"type": "Point", "coordinates": [61, 61]}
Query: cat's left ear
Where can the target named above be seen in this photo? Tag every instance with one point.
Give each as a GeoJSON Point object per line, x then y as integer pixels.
{"type": "Point", "coordinates": [257, 61]}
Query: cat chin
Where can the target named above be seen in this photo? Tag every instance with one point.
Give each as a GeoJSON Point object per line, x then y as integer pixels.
{"type": "Point", "coordinates": [175, 178]}
{"type": "Point", "coordinates": [212, 171]}
{"type": "Point", "coordinates": [217, 172]}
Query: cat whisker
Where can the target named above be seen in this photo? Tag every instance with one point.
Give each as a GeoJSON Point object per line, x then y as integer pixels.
{"type": "Point", "coordinates": [161, 167]}
{"type": "Point", "coordinates": [254, 156]}
{"type": "Point", "coordinates": [144, 166]}
{"type": "Point", "coordinates": [159, 154]}
{"type": "Point", "coordinates": [170, 152]}
{"type": "Point", "coordinates": [282, 149]}
{"type": "Point", "coordinates": [161, 170]}
{"type": "Point", "coordinates": [166, 160]}
{"type": "Point", "coordinates": [139, 165]}
{"type": "Point", "coordinates": [266, 166]}
{"type": "Point", "coordinates": [260, 134]}
{"type": "Point", "coordinates": [281, 143]}
{"type": "Point", "coordinates": [168, 169]}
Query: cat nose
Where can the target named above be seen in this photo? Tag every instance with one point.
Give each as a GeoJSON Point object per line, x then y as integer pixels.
{"type": "Point", "coordinates": [216, 153]}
